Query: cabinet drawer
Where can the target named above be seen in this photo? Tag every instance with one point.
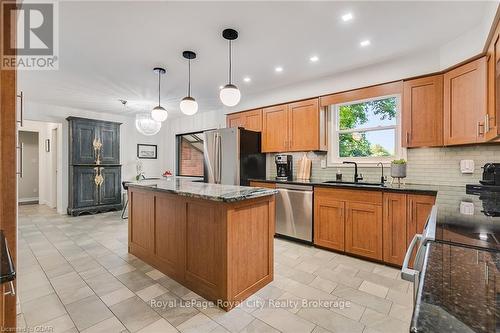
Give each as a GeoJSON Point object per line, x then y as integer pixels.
{"type": "Point", "coordinates": [363, 196]}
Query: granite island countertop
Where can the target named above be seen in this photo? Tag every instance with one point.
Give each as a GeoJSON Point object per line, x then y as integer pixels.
{"type": "Point", "coordinates": [200, 190]}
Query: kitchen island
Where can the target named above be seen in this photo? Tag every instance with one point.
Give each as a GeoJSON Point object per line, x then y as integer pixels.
{"type": "Point", "coordinates": [216, 240]}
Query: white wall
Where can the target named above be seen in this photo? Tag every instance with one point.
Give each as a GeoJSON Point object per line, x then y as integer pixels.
{"type": "Point", "coordinates": [129, 138]}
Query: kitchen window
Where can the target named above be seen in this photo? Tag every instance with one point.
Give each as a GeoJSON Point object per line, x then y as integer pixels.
{"type": "Point", "coordinates": [190, 154]}
{"type": "Point", "coordinates": [366, 131]}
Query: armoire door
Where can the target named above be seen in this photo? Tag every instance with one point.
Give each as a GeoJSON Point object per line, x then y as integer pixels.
{"type": "Point", "coordinates": [84, 187]}
{"type": "Point", "coordinates": [82, 136]}
{"type": "Point", "coordinates": [110, 189]}
{"type": "Point", "coordinates": [109, 135]}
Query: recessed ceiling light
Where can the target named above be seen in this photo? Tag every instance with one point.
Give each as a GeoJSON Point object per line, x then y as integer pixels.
{"type": "Point", "coordinates": [279, 69]}
{"type": "Point", "coordinates": [247, 79]}
{"type": "Point", "coordinates": [347, 17]}
{"type": "Point", "coordinates": [314, 58]}
{"type": "Point", "coordinates": [365, 43]}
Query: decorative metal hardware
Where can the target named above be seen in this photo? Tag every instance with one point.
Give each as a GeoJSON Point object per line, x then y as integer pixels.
{"type": "Point", "coordinates": [97, 144]}
{"type": "Point", "coordinates": [98, 179]}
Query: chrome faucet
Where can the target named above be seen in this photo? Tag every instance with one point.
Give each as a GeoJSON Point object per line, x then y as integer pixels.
{"type": "Point", "coordinates": [382, 178]}
{"type": "Point", "coordinates": [356, 177]}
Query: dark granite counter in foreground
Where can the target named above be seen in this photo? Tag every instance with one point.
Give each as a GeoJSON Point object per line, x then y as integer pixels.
{"type": "Point", "coordinates": [193, 189]}
{"type": "Point", "coordinates": [458, 291]}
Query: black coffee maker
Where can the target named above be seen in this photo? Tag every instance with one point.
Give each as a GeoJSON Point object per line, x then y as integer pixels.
{"type": "Point", "coordinates": [491, 174]}
{"type": "Point", "coordinates": [284, 169]}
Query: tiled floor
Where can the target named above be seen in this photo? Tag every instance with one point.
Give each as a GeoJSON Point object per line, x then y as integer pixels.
{"type": "Point", "coordinates": [75, 275]}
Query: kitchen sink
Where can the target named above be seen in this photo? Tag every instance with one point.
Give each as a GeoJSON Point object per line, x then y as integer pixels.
{"type": "Point", "coordinates": [353, 183]}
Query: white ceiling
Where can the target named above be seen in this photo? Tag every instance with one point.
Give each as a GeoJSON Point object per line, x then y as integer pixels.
{"type": "Point", "coordinates": [108, 49]}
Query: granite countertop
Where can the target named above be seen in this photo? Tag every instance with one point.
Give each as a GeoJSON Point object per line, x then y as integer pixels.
{"type": "Point", "coordinates": [7, 271]}
{"type": "Point", "coordinates": [458, 290]}
{"type": "Point", "coordinates": [193, 189]}
{"type": "Point", "coordinates": [388, 187]}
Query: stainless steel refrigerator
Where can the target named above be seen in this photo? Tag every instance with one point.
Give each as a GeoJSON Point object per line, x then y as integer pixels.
{"type": "Point", "coordinates": [232, 156]}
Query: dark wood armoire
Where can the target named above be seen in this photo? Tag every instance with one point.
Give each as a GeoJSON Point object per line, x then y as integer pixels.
{"type": "Point", "coordinates": [94, 166]}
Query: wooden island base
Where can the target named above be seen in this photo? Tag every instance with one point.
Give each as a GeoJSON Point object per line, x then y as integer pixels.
{"type": "Point", "coordinates": [221, 251]}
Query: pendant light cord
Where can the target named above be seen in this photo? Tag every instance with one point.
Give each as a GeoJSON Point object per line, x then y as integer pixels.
{"type": "Point", "coordinates": [189, 77]}
{"type": "Point", "coordinates": [159, 86]}
{"type": "Point", "coordinates": [230, 62]}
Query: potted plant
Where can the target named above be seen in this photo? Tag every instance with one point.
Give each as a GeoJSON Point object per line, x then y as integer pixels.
{"type": "Point", "coordinates": [398, 169]}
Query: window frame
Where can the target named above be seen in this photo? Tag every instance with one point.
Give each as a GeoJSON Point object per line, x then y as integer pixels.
{"type": "Point", "coordinates": [178, 138]}
{"type": "Point", "coordinates": [333, 158]}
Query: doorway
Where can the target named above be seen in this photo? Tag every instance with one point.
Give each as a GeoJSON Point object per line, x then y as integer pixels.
{"type": "Point", "coordinates": [29, 176]}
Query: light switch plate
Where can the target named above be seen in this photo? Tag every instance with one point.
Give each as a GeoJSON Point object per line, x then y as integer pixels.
{"type": "Point", "coordinates": [323, 163]}
{"type": "Point", "coordinates": [467, 166]}
{"type": "Point", "coordinates": [466, 208]}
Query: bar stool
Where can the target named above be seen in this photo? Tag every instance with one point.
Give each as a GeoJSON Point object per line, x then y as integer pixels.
{"type": "Point", "coordinates": [125, 187]}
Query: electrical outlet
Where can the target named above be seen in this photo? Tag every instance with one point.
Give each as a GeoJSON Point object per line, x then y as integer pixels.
{"type": "Point", "coordinates": [323, 163]}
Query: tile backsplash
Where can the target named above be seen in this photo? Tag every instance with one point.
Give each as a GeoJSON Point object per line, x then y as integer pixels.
{"type": "Point", "coordinates": [439, 166]}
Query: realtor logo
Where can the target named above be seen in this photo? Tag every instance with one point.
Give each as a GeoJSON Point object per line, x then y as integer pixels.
{"type": "Point", "coordinates": [35, 46]}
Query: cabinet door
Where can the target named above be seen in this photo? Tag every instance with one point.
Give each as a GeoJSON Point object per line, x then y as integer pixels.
{"type": "Point", "coordinates": [329, 224]}
{"type": "Point", "coordinates": [363, 229]}
{"type": "Point", "coordinates": [418, 209]}
{"type": "Point", "coordinates": [85, 192]}
{"type": "Point", "coordinates": [303, 118]}
{"type": "Point", "coordinates": [491, 121]}
{"type": "Point", "coordinates": [465, 100]}
{"type": "Point", "coordinates": [142, 219]}
{"type": "Point", "coordinates": [275, 129]}
{"type": "Point", "coordinates": [253, 120]}
{"type": "Point", "coordinates": [235, 120]}
{"type": "Point", "coordinates": [422, 116]}
{"type": "Point", "coordinates": [110, 189]}
{"type": "Point", "coordinates": [394, 228]}
{"type": "Point", "coordinates": [82, 137]}
{"type": "Point", "coordinates": [109, 135]}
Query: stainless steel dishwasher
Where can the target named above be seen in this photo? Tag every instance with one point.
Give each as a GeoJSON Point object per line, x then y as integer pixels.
{"type": "Point", "coordinates": [294, 211]}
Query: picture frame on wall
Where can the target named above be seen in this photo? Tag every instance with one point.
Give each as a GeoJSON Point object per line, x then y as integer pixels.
{"type": "Point", "coordinates": [146, 151]}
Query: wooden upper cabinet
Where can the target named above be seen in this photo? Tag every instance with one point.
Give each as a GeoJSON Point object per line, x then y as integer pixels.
{"type": "Point", "coordinates": [465, 101]}
{"type": "Point", "coordinates": [275, 129]}
{"type": "Point", "coordinates": [394, 228]}
{"type": "Point", "coordinates": [422, 117]}
{"type": "Point", "coordinates": [304, 119]}
{"type": "Point", "coordinates": [299, 126]}
{"type": "Point", "coordinates": [492, 118]}
{"type": "Point", "coordinates": [250, 120]}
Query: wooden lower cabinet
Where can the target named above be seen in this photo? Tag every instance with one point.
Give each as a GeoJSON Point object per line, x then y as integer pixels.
{"type": "Point", "coordinates": [262, 184]}
{"type": "Point", "coordinates": [394, 228]}
{"type": "Point", "coordinates": [370, 224]}
{"type": "Point", "coordinates": [363, 226]}
{"type": "Point", "coordinates": [329, 226]}
{"type": "Point", "coordinates": [221, 251]}
{"type": "Point", "coordinates": [349, 220]}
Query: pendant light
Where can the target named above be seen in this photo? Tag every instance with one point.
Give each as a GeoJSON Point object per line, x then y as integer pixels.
{"type": "Point", "coordinates": [146, 125]}
{"type": "Point", "coordinates": [159, 113]}
{"type": "Point", "coordinates": [188, 104]}
{"type": "Point", "coordinates": [230, 94]}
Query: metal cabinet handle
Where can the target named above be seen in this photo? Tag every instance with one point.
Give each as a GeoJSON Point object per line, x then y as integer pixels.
{"type": "Point", "coordinates": [21, 111]}
{"type": "Point", "coordinates": [479, 125]}
{"type": "Point", "coordinates": [407, 273]}
{"type": "Point", "coordinates": [12, 289]}
{"type": "Point", "coordinates": [486, 123]}
{"type": "Point", "coordinates": [21, 148]}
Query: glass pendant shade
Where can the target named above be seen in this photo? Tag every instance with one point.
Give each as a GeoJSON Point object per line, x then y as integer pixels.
{"type": "Point", "coordinates": [159, 114]}
{"type": "Point", "coordinates": [230, 95]}
{"type": "Point", "coordinates": [189, 106]}
{"type": "Point", "coordinates": [146, 125]}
